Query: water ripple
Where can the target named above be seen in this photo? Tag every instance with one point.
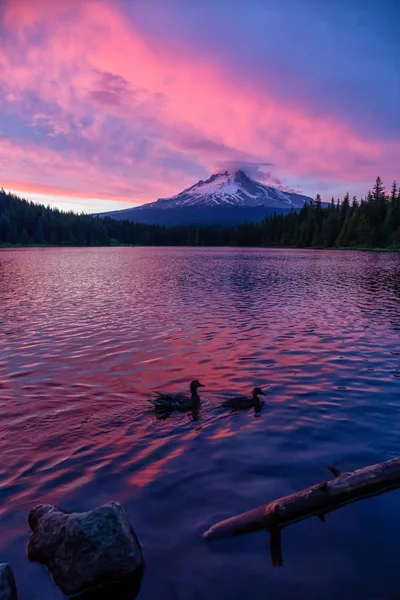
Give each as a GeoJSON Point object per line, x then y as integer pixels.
{"type": "Point", "coordinates": [87, 335]}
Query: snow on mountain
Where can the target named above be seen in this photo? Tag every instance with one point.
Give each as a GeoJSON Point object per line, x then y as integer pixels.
{"type": "Point", "coordinates": [230, 189]}
{"type": "Point", "coordinates": [225, 199]}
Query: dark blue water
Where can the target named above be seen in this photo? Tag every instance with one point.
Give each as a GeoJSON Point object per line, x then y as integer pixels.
{"type": "Point", "coordinates": [86, 335]}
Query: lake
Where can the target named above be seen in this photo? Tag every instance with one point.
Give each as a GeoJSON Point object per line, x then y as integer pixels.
{"type": "Point", "coordinates": [88, 334]}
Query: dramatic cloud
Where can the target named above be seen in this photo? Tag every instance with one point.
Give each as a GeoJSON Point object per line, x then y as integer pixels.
{"type": "Point", "coordinates": [110, 99]}
{"type": "Point", "coordinates": [254, 169]}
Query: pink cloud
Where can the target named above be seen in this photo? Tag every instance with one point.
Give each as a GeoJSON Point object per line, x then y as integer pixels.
{"type": "Point", "coordinates": [126, 118]}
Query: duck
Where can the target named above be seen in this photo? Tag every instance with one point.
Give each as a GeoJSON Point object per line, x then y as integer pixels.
{"type": "Point", "coordinates": [241, 402]}
{"type": "Point", "coordinates": [180, 402]}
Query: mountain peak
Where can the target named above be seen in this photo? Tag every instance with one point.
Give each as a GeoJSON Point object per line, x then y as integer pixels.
{"type": "Point", "coordinates": [231, 188]}
{"type": "Point", "coordinates": [224, 199]}
{"type": "Point", "coordinates": [233, 174]}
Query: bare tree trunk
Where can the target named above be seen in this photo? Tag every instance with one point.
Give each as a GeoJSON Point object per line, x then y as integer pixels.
{"type": "Point", "coordinates": [316, 500]}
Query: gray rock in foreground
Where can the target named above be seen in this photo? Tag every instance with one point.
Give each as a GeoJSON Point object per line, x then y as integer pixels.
{"type": "Point", "coordinates": [8, 591]}
{"type": "Point", "coordinates": [128, 589]}
{"type": "Point", "coordinates": [84, 550]}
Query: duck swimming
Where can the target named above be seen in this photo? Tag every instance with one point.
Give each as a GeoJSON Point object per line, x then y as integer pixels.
{"type": "Point", "coordinates": [179, 402]}
{"type": "Point", "coordinates": [241, 402]}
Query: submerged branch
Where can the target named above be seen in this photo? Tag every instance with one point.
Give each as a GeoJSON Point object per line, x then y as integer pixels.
{"type": "Point", "coordinates": [316, 500]}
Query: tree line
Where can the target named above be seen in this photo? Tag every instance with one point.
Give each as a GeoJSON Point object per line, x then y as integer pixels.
{"type": "Point", "coordinates": [372, 222]}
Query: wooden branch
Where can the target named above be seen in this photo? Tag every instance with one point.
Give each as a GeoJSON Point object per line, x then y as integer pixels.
{"type": "Point", "coordinates": [316, 500]}
{"type": "Point", "coordinates": [275, 548]}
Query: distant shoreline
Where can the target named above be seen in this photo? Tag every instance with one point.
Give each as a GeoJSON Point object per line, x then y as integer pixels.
{"type": "Point", "coordinates": [372, 224]}
{"type": "Point", "coordinates": [355, 248]}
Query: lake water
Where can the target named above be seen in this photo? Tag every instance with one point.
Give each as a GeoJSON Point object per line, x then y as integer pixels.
{"type": "Point", "coordinates": [87, 334]}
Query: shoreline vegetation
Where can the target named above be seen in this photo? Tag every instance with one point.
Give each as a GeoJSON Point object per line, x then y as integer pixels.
{"type": "Point", "coordinates": [393, 249]}
{"type": "Point", "coordinates": [372, 223]}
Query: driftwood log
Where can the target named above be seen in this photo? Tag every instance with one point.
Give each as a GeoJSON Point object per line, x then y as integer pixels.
{"type": "Point", "coordinates": [316, 500]}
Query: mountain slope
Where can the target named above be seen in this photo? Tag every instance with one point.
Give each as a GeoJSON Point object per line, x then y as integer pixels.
{"type": "Point", "coordinates": [224, 199]}
{"type": "Point", "coordinates": [231, 189]}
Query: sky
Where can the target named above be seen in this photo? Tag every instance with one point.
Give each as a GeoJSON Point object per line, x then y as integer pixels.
{"type": "Point", "coordinates": [106, 104]}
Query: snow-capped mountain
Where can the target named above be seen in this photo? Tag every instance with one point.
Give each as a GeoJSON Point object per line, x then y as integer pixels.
{"type": "Point", "coordinates": [225, 199]}
{"type": "Point", "coordinates": [231, 189]}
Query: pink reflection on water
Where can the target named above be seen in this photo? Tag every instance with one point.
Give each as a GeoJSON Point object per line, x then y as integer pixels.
{"type": "Point", "coordinates": [76, 428]}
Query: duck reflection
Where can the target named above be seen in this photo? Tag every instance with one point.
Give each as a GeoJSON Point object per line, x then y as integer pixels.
{"type": "Point", "coordinates": [193, 415]}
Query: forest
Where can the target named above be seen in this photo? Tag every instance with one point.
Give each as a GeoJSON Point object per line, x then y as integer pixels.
{"type": "Point", "coordinates": [372, 222]}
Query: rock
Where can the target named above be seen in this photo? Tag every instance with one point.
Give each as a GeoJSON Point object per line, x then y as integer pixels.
{"type": "Point", "coordinates": [126, 590]}
{"type": "Point", "coordinates": [8, 591]}
{"type": "Point", "coordinates": [84, 551]}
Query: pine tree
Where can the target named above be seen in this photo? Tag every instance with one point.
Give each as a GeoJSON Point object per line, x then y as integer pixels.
{"type": "Point", "coordinates": [364, 232]}
{"type": "Point", "coordinates": [24, 237]}
{"type": "Point", "coordinates": [378, 191]}
{"type": "Point", "coordinates": [345, 208]}
{"type": "Point", "coordinates": [394, 192]}
{"type": "Point", "coordinates": [388, 227]}
{"type": "Point", "coordinates": [40, 233]}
